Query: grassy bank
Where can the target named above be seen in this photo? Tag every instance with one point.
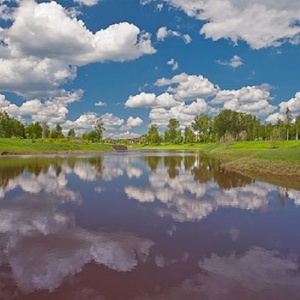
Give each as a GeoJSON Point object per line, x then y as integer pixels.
{"type": "Point", "coordinates": [19, 146]}
{"type": "Point", "coordinates": [280, 165]}
{"type": "Point", "coordinates": [255, 159]}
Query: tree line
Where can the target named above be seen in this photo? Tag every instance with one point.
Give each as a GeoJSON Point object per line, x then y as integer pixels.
{"type": "Point", "coordinates": [226, 127]}
{"type": "Point", "coordinates": [12, 128]}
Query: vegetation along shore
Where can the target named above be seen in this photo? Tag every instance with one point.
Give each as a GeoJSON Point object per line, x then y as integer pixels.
{"type": "Point", "coordinates": [257, 159]}
{"type": "Point", "coordinates": [270, 152]}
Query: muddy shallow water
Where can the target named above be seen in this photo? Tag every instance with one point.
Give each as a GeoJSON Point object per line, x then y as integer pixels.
{"type": "Point", "coordinates": [144, 225]}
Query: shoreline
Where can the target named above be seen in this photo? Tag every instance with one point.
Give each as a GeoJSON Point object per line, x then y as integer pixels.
{"type": "Point", "coordinates": [280, 166]}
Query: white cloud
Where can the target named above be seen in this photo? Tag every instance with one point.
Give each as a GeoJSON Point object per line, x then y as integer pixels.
{"type": "Point", "coordinates": [235, 62]}
{"type": "Point", "coordinates": [292, 104]}
{"type": "Point", "coordinates": [37, 56]}
{"type": "Point", "coordinates": [189, 87]}
{"type": "Point", "coordinates": [150, 100]}
{"type": "Point", "coordinates": [184, 113]}
{"type": "Point", "coordinates": [261, 23]}
{"type": "Point", "coordinates": [122, 135]}
{"type": "Point", "coordinates": [87, 2]}
{"type": "Point", "coordinates": [36, 31]}
{"type": "Point", "coordinates": [145, 2]}
{"type": "Point", "coordinates": [100, 103]}
{"type": "Point", "coordinates": [254, 274]}
{"type": "Point", "coordinates": [174, 64]}
{"type": "Point", "coordinates": [111, 121]}
{"type": "Point", "coordinates": [85, 122]}
{"type": "Point", "coordinates": [141, 100]}
{"type": "Point", "coordinates": [52, 110]}
{"type": "Point", "coordinates": [159, 6]}
{"type": "Point", "coordinates": [250, 99]}
{"type": "Point", "coordinates": [132, 122]}
{"type": "Point", "coordinates": [32, 76]}
{"type": "Point", "coordinates": [164, 32]}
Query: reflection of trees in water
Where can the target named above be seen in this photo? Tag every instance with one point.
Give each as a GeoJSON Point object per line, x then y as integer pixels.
{"type": "Point", "coordinates": [97, 162]}
{"type": "Point", "coordinates": [152, 162]}
{"type": "Point", "coordinates": [173, 164]}
{"type": "Point", "coordinates": [282, 195]}
{"type": "Point", "coordinates": [12, 168]}
{"type": "Point", "coordinates": [209, 169]}
{"type": "Point", "coordinates": [202, 168]}
{"type": "Point", "coordinates": [8, 173]}
{"type": "Point", "coordinates": [189, 161]}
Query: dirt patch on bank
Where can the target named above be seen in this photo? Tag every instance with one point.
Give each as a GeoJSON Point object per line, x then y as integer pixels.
{"type": "Point", "coordinates": [279, 173]}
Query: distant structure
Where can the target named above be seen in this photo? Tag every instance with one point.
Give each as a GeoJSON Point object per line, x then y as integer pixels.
{"type": "Point", "coordinates": [119, 148]}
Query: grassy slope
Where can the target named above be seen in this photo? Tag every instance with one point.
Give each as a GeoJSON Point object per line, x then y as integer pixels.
{"type": "Point", "coordinates": [256, 159]}
{"type": "Point", "coordinates": [16, 146]}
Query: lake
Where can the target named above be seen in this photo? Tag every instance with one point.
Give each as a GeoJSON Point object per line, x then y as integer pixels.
{"type": "Point", "coordinates": [144, 225]}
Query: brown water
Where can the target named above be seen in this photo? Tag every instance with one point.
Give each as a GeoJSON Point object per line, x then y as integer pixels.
{"type": "Point", "coordinates": [141, 226]}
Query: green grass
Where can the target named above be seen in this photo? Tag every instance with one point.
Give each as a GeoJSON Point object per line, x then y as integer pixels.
{"type": "Point", "coordinates": [19, 146]}
{"type": "Point", "coordinates": [255, 159]}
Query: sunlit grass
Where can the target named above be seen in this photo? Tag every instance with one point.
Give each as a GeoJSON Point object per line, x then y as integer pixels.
{"type": "Point", "coordinates": [20, 146]}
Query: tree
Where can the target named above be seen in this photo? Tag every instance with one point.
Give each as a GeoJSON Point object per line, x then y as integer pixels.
{"type": "Point", "coordinates": [189, 135]}
{"type": "Point", "coordinates": [5, 122]}
{"type": "Point", "coordinates": [153, 136]}
{"type": "Point", "coordinates": [201, 124]}
{"type": "Point", "coordinates": [98, 130]}
{"type": "Point", "coordinates": [297, 125]}
{"type": "Point", "coordinates": [33, 131]}
{"type": "Point", "coordinates": [45, 130]}
{"type": "Point", "coordinates": [71, 133]}
{"type": "Point", "coordinates": [173, 135]}
{"type": "Point", "coordinates": [288, 120]}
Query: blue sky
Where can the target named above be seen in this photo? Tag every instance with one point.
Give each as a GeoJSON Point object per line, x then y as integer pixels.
{"type": "Point", "coordinates": [137, 62]}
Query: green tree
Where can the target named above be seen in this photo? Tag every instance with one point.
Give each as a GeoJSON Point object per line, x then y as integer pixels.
{"type": "Point", "coordinates": [288, 121]}
{"type": "Point", "coordinates": [5, 125]}
{"type": "Point", "coordinates": [201, 124]}
{"type": "Point", "coordinates": [297, 126]}
{"type": "Point", "coordinates": [33, 131]}
{"type": "Point", "coordinates": [153, 136]}
{"type": "Point", "coordinates": [45, 130]}
{"type": "Point", "coordinates": [71, 133]}
{"type": "Point", "coordinates": [98, 130]}
{"type": "Point", "coordinates": [189, 135]}
{"type": "Point", "coordinates": [18, 128]}
{"type": "Point", "coordinates": [173, 135]}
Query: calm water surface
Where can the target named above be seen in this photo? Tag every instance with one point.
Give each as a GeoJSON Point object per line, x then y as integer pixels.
{"type": "Point", "coordinates": [143, 226]}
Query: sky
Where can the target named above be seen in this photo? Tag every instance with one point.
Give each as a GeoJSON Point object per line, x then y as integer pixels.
{"type": "Point", "coordinates": [134, 63]}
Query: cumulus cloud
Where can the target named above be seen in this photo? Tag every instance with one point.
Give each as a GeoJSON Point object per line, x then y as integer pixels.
{"type": "Point", "coordinates": [87, 2]}
{"type": "Point", "coordinates": [189, 86]}
{"type": "Point", "coordinates": [260, 23]}
{"type": "Point", "coordinates": [250, 99]}
{"type": "Point", "coordinates": [180, 196]}
{"type": "Point", "coordinates": [36, 31]}
{"type": "Point", "coordinates": [292, 104]}
{"type": "Point", "coordinates": [52, 111]}
{"type": "Point", "coordinates": [256, 274]}
{"type": "Point", "coordinates": [134, 121]}
{"type": "Point", "coordinates": [164, 32]}
{"type": "Point", "coordinates": [37, 56]}
{"type": "Point", "coordinates": [174, 64]}
{"type": "Point", "coordinates": [100, 103]}
{"type": "Point", "coordinates": [235, 62]}
{"type": "Point", "coordinates": [151, 100]}
{"type": "Point", "coordinates": [184, 113]}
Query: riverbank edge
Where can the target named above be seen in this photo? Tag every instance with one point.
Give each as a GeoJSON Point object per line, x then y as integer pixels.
{"type": "Point", "coordinates": [279, 166]}
{"type": "Point", "coordinates": [246, 158]}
